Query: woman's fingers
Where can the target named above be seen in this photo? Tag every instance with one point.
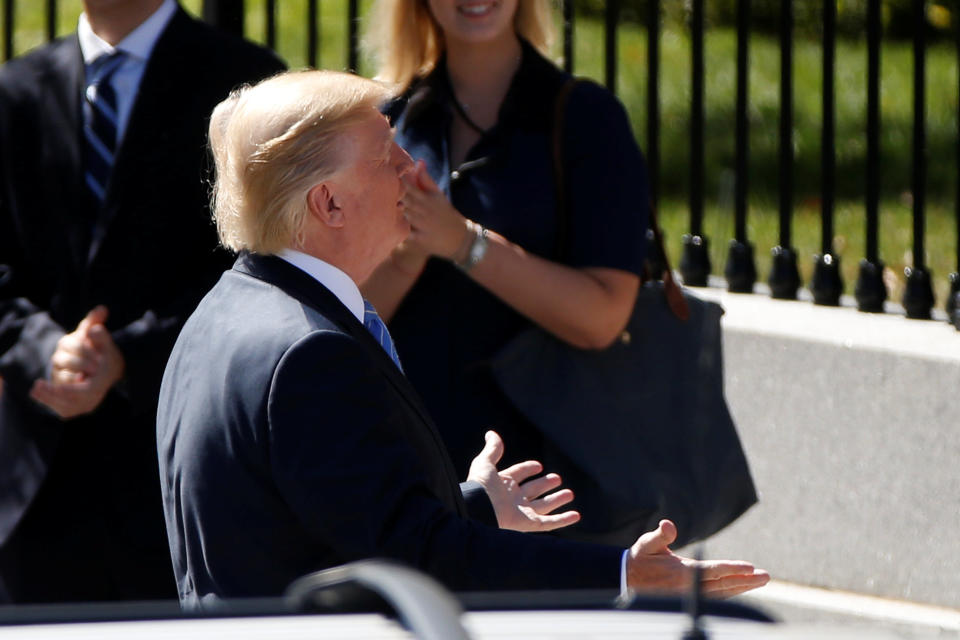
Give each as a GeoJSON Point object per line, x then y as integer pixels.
{"type": "Point", "coordinates": [424, 181]}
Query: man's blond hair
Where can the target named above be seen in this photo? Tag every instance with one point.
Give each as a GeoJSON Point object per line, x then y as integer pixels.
{"type": "Point", "coordinates": [405, 41]}
{"type": "Point", "coordinates": [272, 142]}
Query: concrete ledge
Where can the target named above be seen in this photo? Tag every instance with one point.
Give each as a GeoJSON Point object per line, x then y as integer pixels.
{"type": "Point", "coordinates": [851, 423]}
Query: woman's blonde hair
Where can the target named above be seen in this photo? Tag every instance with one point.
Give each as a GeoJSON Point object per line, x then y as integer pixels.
{"type": "Point", "coordinates": [272, 143]}
{"type": "Point", "coordinates": [404, 40]}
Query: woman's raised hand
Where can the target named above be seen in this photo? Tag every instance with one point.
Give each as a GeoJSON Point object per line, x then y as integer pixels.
{"type": "Point", "coordinates": [436, 227]}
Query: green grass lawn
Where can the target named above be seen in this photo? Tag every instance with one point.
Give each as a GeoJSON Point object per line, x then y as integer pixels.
{"type": "Point", "coordinates": [720, 92]}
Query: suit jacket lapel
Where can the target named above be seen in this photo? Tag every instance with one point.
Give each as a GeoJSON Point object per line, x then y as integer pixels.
{"type": "Point", "coordinates": [62, 88]}
{"type": "Point", "coordinates": [154, 110]}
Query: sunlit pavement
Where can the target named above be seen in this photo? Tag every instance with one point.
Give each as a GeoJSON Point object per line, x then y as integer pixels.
{"type": "Point", "coordinates": [800, 604]}
{"type": "Point", "coordinates": [851, 425]}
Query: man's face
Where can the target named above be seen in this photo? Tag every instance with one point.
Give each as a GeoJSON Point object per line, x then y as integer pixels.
{"type": "Point", "coordinates": [148, 6]}
{"type": "Point", "coordinates": [372, 187]}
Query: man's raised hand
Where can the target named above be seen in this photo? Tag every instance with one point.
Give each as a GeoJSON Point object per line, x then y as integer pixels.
{"type": "Point", "coordinates": [520, 503]}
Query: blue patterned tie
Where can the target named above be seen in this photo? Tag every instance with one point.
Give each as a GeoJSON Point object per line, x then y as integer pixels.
{"type": "Point", "coordinates": [100, 123]}
{"type": "Point", "coordinates": [375, 325]}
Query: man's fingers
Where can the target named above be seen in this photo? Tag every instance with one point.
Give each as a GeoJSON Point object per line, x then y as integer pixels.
{"type": "Point", "coordinates": [717, 569]}
{"type": "Point", "coordinates": [97, 315]}
{"type": "Point", "coordinates": [735, 585]}
{"type": "Point", "coordinates": [538, 486]}
{"type": "Point", "coordinates": [63, 360]}
{"type": "Point", "coordinates": [658, 540]}
{"type": "Point", "coordinates": [66, 400]}
{"type": "Point", "coordinates": [66, 376]}
{"type": "Point", "coordinates": [41, 392]}
{"type": "Point", "coordinates": [77, 354]}
{"type": "Point", "coordinates": [100, 338]}
{"type": "Point", "coordinates": [60, 392]}
{"type": "Point", "coordinates": [523, 470]}
{"type": "Point", "coordinates": [557, 521]}
{"type": "Point", "coordinates": [493, 447]}
{"type": "Point", "coordinates": [552, 502]}
{"type": "Point", "coordinates": [78, 348]}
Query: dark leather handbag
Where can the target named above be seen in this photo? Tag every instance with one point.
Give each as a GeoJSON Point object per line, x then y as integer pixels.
{"type": "Point", "coordinates": [645, 419]}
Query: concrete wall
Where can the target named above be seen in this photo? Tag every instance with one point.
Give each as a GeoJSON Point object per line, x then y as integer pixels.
{"type": "Point", "coordinates": [851, 423]}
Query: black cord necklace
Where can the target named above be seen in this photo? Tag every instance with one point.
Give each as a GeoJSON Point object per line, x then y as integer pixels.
{"type": "Point", "coordinates": [462, 112]}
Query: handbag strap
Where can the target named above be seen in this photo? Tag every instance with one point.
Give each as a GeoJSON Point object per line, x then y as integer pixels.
{"type": "Point", "coordinates": [671, 290]}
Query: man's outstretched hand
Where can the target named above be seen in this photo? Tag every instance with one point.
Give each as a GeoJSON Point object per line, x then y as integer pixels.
{"type": "Point", "coordinates": [520, 503]}
{"type": "Point", "coordinates": [653, 567]}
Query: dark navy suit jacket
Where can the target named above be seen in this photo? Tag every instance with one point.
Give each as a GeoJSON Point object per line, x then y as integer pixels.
{"type": "Point", "coordinates": [290, 442]}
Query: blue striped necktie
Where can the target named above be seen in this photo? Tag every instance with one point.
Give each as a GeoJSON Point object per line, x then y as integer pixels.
{"type": "Point", "coordinates": [100, 123]}
{"type": "Point", "coordinates": [375, 325]}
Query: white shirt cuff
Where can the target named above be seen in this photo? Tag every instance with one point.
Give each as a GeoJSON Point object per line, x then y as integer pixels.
{"type": "Point", "coordinates": [624, 589]}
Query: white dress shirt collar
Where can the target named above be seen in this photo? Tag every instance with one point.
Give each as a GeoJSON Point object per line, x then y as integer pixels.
{"type": "Point", "coordinates": [138, 44]}
{"type": "Point", "coordinates": [329, 276]}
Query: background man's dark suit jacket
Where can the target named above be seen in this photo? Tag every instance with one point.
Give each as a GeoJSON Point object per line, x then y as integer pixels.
{"type": "Point", "coordinates": [289, 442]}
{"type": "Point", "coordinates": [80, 514]}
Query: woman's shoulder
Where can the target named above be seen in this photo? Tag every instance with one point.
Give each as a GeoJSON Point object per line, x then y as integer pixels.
{"type": "Point", "coordinates": [591, 101]}
{"type": "Point", "coordinates": [420, 96]}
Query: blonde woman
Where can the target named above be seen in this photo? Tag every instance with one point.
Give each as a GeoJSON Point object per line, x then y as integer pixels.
{"type": "Point", "coordinates": [482, 263]}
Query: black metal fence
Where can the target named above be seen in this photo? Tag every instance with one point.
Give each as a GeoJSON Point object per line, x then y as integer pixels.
{"type": "Point", "coordinates": [740, 270]}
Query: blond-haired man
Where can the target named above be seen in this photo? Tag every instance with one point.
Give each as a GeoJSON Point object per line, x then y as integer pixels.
{"type": "Point", "coordinates": [289, 438]}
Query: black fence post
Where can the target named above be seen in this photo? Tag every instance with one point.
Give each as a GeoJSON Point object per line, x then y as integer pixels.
{"type": "Point", "coordinates": [695, 261]}
{"type": "Point", "coordinates": [270, 15]}
{"type": "Point", "coordinates": [827, 284]}
{"type": "Point", "coordinates": [918, 295]}
{"type": "Point", "coordinates": [653, 99]}
{"type": "Point", "coordinates": [568, 35]}
{"type": "Point", "coordinates": [656, 259]}
{"type": "Point", "coordinates": [51, 20]}
{"type": "Point", "coordinates": [353, 41]}
{"type": "Point", "coordinates": [870, 291]}
{"type": "Point", "coordinates": [741, 272]}
{"type": "Point", "coordinates": [7, 29]}
{"type": "Point", "coordinates": [953, 298]}
{"type": "Point", "coordinates": [225, 14]}
{"type": "Point", "coordinates": [612, 17]}
{"type": "Point", "coordinates": [784, 277]}
{"type": "Point", "coordinates": [313, 39]}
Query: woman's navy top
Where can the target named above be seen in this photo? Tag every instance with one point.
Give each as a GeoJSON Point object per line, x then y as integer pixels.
{"type": "Point", "coordinates": [447, 328]}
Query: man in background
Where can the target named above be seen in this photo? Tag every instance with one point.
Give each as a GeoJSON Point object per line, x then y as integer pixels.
{"type": "Point", "coordinates": [106, 245]}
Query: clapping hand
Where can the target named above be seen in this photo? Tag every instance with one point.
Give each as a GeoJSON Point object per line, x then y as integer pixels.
{"type": "Point", "coordinates": [84, 367]}
{"type": "Point", "coordinates": [520, 503]}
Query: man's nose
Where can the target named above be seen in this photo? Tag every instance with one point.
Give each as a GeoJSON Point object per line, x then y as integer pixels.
{"type": "Point", "coordinates": [405, 163]}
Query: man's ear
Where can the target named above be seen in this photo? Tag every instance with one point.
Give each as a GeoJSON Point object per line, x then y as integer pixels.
{"type": "Point", "coordinates": [323, 205]}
